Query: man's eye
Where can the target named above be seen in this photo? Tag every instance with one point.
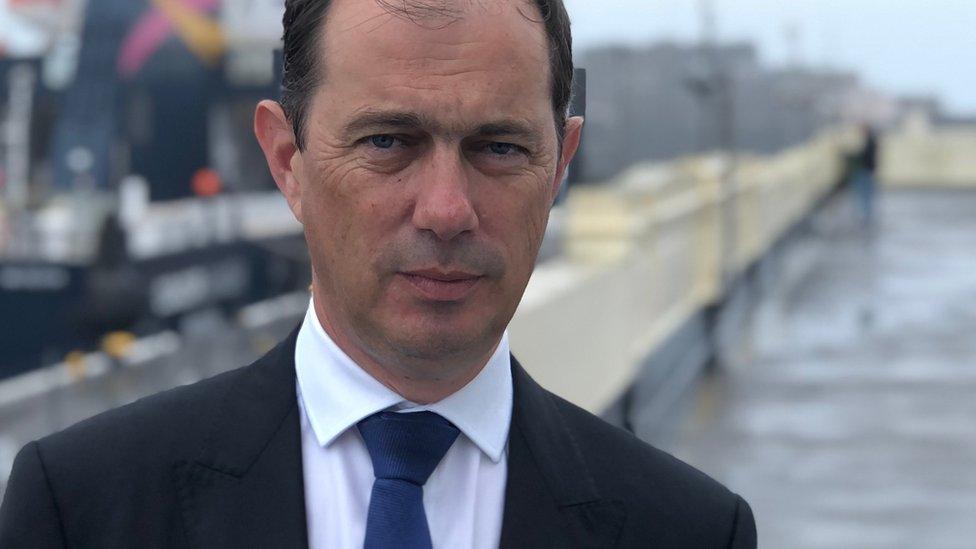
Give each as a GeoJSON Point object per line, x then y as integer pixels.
{"type": "Point", "coordinates": [503, 149]}
{"type": "Point", "coordinates": [383, 141]}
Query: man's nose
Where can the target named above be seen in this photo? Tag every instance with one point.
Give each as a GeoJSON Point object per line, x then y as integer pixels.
{"type": "Point", "coordinates": [444, 204]}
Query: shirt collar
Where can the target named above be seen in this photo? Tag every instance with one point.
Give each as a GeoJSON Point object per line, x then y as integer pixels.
{"type": "Point", "coordinates": [336, 393]}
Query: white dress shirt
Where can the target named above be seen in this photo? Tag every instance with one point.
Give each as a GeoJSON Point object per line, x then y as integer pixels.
{"type": "Point", "coordinates": [465, 495]}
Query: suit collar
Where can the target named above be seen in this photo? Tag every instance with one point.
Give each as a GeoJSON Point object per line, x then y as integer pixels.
{"type": "Point", "coordinates": [245, 486]}
{"type": "Point", "coordinates": [551, 499]}
{"type": "Point", "coordinates": [337, 393]}
{"type": "Point", "coordinates": [252, 411]}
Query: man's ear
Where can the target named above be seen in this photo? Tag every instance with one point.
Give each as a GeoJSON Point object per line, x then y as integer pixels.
{"type": "Point", "coordinates": [277, 140]}
{"type": "Point", "coordinates": [571, 141]}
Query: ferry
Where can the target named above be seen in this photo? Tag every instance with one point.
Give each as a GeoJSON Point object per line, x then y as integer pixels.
{"type": "Point", "coordinates": [133, 194]}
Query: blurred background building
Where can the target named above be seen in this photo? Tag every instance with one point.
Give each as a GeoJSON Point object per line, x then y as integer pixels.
{"type": "Point", "coordinates": [706, 281]}
{"type": "Point", "coordinates": [680, 91]}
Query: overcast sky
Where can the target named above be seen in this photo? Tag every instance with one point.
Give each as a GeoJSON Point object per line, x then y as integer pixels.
{"type": "Point", "coordinates": [907, 46]}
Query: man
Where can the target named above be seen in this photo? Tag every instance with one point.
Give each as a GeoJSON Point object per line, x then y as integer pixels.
{"type": "Point", "coordinates": [421, 145]}
{"type": "Point", "coordinates": [863, 176]}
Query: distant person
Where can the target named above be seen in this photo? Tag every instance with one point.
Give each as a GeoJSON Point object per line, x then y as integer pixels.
{"type": "Point", "coordinates": [421, 144]}
{"type": "Point", "coordinates": [863, 180]}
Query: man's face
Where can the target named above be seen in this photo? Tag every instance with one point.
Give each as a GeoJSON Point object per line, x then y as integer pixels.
{"type": "Point", "coordinates": [430, 165]}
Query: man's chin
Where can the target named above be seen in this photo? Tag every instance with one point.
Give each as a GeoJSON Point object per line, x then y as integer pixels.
{"type": "Point", "coordinates": [460, 336]}
{"type": "Point", "coordinates": [442, 345]}
{"type": "Point", "coordinates": [435, 347]}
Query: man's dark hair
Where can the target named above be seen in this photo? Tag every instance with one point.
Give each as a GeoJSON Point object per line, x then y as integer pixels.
{"type": "Point", "coordinates": [304, 21]}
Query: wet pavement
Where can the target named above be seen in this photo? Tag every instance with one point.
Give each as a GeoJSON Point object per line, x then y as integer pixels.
{"type": "Point", "coordinates": [844, 410]}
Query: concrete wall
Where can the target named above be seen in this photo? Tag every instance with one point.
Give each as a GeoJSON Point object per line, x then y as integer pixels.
{"type": "Point", "coordinates": [647, 251]}
{"type": "Point", "coordinates": [920, 155]}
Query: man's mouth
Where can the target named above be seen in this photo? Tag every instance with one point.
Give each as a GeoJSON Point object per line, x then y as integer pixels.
{"type": "Point", "coordinates": [441, 285]}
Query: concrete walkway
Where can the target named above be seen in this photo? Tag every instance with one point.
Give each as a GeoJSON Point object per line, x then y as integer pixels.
{"type": "Point", "coordinates": [846, 412]}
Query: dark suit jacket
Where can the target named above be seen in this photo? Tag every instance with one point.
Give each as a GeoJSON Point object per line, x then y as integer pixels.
{"type": "Point", "coordinates": [219, 464]}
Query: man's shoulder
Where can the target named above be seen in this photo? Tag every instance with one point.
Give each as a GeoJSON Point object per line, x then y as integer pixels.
{"type": "Point", "coordinates": [177, 422]}
{"type": "Point", "coordinates": [111, 476]}
{"type": "Point", "coordinates": [649, 481]}
{"type": "Point", "coordinates": [154, 428]}
{"type": "Point", "coordinates": [604, 442]}
{"type": "Point", "coordinates": [123, 473]}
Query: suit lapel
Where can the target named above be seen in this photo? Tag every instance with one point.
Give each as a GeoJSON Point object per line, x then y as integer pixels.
{"type": "Point", "coordinates": [245, 488]}
{"type": "Point", "coordinates": [551, 499]}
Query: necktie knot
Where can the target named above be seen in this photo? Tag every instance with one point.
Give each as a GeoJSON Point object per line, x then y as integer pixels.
{"type": "Point", "coordinates": [407, 446]}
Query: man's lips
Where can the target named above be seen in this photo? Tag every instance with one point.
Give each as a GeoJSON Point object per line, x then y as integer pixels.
{"type": "Point", "coordinates": [440, 285]}
{"type": "Point", "coordinates": [442, 276]}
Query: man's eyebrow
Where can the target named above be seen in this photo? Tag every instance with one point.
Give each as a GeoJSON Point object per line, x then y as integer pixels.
{"type": "Point", "coordinates": [513, 128]}
{"type": "Point", "coordinates": [372, 120]}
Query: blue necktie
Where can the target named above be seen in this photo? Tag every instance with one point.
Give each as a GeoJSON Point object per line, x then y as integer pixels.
{"type": "Point", "coordinates": [405, 449]}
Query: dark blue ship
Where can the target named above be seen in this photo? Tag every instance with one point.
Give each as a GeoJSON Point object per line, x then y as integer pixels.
{"type": "Point", "coordinates": [134, 193]}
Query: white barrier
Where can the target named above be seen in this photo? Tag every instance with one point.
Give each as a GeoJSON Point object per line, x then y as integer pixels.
{"type": "Point", "coordinates": [921, 156]}
{"type": "Point", "coordinates": [647, 251]}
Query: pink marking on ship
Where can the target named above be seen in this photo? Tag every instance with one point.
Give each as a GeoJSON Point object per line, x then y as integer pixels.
{"type": "Point", "coordinates": [149, 33]}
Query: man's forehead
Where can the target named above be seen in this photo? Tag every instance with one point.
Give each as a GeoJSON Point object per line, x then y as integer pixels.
{"type": "Point", "coordinates": [492, 61]}
{"type": "Point", "coordinates": [486, 73]}
{"type": "Point", "coordinates": [435, 12]}
{"type": "Point", "coordinates": [443, 20]}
